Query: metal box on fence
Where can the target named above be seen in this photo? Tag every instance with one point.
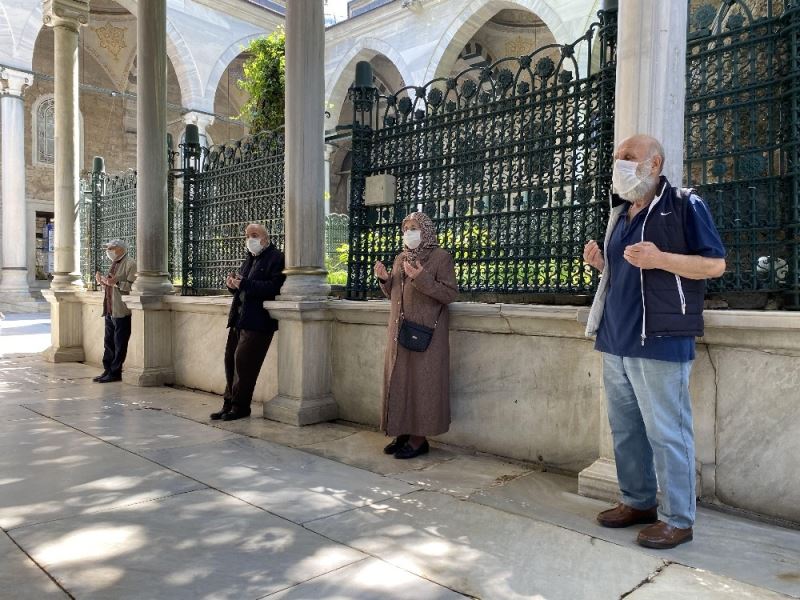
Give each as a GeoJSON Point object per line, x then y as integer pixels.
{"type": "Point", "coordinates": [380, 190]}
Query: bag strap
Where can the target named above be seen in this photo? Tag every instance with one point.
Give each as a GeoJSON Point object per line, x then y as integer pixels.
{"type": "Point", "coordinates": [402, 298]}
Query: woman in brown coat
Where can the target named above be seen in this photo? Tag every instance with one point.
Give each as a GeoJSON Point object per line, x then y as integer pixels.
{"type": "Point", "coordinates": [416, 394]}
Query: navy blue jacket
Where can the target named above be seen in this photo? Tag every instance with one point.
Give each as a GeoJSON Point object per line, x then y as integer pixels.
{"type": "Point", "coordinates": [262, 278]}
{"type": "Point", "coordinates": [673, 304]}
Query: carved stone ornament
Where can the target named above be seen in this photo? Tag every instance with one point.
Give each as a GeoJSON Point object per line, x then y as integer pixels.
{"type": "Point", "coordinates": [519, 46]}
{"type": "Point", "coordinates": [13, 82]}
{"type": "Point", "coordinates": [66, 13]}
{"type": "Point", "coordinates": [111, 38]}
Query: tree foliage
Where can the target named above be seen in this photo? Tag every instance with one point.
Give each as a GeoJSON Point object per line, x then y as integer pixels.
{"type": "Point", "coordinates": [265, 82]}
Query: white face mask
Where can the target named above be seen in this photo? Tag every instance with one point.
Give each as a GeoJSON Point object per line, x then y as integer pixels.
{"type": "Point", "coordinates": [254, 245]}
{"type": "Point", "coordinates": [412, 238]}
{"type": "Point", "coordinates": [112, 256]}
{"type": "Point", "coordinates": [626, 175]}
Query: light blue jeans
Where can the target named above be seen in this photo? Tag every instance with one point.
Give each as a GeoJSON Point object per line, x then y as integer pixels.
{"type": "Point", "coordinates": [651, 421]}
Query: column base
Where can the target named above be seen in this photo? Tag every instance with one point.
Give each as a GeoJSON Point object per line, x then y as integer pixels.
{"type": "Point", "coordinates": [300, 412]}
{"type": "Point", "coordinates": [599, 480]}
{"type": "Point", "coordinates": [148, 377]}
{"type": "Point", "coordinates": [304, 367]}
{"type": "Point", "coordinates": [61, 355]}
{"type": "Point", "coordinates": [66, 327]}
{"type": "Point", "coordinates": [148, 284]}
{"type": "Point", "coordinates": [149, 361]}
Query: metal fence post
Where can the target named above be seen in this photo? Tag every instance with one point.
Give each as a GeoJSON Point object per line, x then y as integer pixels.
{"type": "Point", "coordinates": [97, 191]}
{"type": "Point", "coordinates": [792, 152]}
{"type": "Point", "coordinates": [363, 95]}
{"type": "Point", "coordinates": [192, 156]}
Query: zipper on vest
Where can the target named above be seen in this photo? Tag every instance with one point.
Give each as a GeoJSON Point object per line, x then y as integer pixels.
{"type": "Point", "coordinates": [641, 271]}
{"type": "Point", "coordinates": [680, 293]}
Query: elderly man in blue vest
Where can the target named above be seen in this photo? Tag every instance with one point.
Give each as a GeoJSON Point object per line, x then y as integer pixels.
{"type": "Point", "coordinates": [661, 245]}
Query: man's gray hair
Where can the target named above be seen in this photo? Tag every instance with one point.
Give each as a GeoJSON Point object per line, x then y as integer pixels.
{"type": "Point", "coordinates": [260, 227]}
{"type": "Point", "coordinates": [117, 243]}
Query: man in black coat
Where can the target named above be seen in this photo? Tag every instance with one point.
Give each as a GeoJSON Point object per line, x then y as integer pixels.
{"type": "Point", "coordinates": [250, 328]}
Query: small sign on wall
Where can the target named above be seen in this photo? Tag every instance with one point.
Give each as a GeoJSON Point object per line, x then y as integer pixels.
{"type": "Point", "coordinates": [380, 190]}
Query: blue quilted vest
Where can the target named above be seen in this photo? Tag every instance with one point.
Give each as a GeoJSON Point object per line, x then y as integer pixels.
{"type": "Point", "coordinates": [673, 305]}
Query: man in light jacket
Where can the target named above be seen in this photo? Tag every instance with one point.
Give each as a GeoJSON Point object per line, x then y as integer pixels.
{"type": "Point", "coordinates": [661, 245]}
{"type": "Point", "coordinates": [117, 316]}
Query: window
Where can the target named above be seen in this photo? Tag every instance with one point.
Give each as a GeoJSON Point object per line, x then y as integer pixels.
{"type": "Point", "coordinates": [45, 132]}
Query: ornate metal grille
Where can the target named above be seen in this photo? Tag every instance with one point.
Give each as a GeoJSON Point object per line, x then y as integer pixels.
{"type": "Point", "coordinates": [337, 238]}
{"type": "Point", "coordinates": [108, 211]}
{"type": "Point", "coordinates": [225, 188]}
{"type": "Point", "coordinates": [512, 162]}
{"type": "Point", "coordinates": [45, 132]}
{"type": "Point", "coordinates": [741, 138]}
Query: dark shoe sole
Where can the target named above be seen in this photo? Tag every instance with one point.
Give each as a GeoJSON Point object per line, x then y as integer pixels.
{"type": "Point", "coordinates": [402, 455]}
{"type": "Point", "coordinates": [663, 545]}
{"type": "Point", "coordinates": [234, 416]}
{"type": "Point", "coordinates": [217, 416]}
{"type": "Point", "coordinates": [396, 444]}
{"type": "Point", "coordinates": [624, 524]}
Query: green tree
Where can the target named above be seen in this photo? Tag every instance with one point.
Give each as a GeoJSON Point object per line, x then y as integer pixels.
{"type": "Point", "coordinates": [265, 82]}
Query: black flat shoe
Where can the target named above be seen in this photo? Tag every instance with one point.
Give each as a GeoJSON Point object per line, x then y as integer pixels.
{"type": "Point", "coordinates": [108, 378]}
{"type": "Point", "coordinates": [396, 444]}
{"type": "Point", "coordinates": [99, 377]}
{"type": "Point", "coordinates": [408, 451]}
{"type": "Point", "coordinates": [216, 416]}
{"type": "Point", "coordinates": [233, 415]}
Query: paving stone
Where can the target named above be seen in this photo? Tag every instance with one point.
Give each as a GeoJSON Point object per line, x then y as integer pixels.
{"type": "Point", "coordinates": [753, 552]}
{"type": "Point", "coordinates": [141, 430]}
{"type": "Point", "coordinates": [482, 552]}
{"type": "Point", "coordinates": [293, 484]}
{"type": "Point", "coordinates": [21, 578]}
{"type": "Point", "coordinates": [369, 579]}
{"type": "Point", "coordinates": [50, 471]}
{"type": "Point", "coordinates": [287, 435]}
{"type": "Point", "coordinates": [677, 581]}
{"type": "Point", "coordinates": [201, 544]}
{"type": "Point", "coordinates": [464, 475]}
{"type": "Point", "coordinates": [365, 450]}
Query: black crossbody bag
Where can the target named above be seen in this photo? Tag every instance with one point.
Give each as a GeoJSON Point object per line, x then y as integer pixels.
{"type": "Point", "coordinates": [413, 336]}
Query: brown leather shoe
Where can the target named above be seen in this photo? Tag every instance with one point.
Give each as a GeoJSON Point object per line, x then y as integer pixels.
{"type": "Point", "coordinates": [625, 516]}
{"type": "Point", "coordinates": [663, 536]}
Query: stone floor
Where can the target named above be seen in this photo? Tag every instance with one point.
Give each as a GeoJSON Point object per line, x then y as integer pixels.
{"type": "Point", "coordinates": [111, 491]}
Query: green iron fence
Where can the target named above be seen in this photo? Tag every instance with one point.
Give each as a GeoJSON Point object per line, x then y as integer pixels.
{"type": "Point", "coordinates": [225, 187]}
{"type": "Point", "coordinates": [337, 249]}
{"type": "Point", "coordinates": [512, 162]}
{"type": "Point", "coordinates": [108, 211]}
{"type": "Point", "coordinates": [742, 119]}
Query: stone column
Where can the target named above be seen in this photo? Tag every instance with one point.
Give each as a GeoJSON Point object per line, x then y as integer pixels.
{"type": "Point", "coordinates": [304, 340]}
{"type": "Point", "coordinates": [203, 122]}
{"type": "Point", "coordinates": [14, 284]}
{"type": "Point", "coordinates": [149, 359]}
{"type": "Point", "coordinates": [66, 18]}
{"type": "Point", "coordinates": [650, 98]}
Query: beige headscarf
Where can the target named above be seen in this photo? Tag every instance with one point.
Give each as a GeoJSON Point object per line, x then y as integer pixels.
{"type": "Point", "coordinates": [428, 237]}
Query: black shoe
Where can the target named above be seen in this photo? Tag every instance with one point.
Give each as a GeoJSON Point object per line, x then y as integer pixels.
{"type": "Point", "coordinates": [408, 451]}
{"type": "Point", "coordinates": [108, 378]}
{"type": "Point", "coordinates": [99, 377]}
{"type": "Point", "coordinates": [220, 414]}
{"type": "Point", "coordinates": [396, 444]}
{"type": "Point", "coordinates": [234, 414]}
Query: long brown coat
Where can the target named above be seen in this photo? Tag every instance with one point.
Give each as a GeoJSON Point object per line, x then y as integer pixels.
{"type": "Point", "coordinates": [416, 385]}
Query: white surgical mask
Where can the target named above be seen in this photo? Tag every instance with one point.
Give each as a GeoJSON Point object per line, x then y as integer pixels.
{"type": "Point", "coordinates": [254, 246]}
{"type": "Point", "coordinates": [626, 176]}
{"type": "Point", "coordinates": [112, 256]}
{"type": "Point", "coordinates": [412, 238]}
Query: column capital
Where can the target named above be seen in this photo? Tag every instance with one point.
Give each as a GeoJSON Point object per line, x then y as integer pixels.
{"type": "Point", "coordinates": [66, 13]}
{"type": "Point", "coordinates": [201, 119]}
{"type": "Point", "coordinates": [14, 82]}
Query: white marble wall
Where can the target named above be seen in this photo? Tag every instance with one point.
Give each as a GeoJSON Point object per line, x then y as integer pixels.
{"type": "Point", "coordinates": [526, 384]}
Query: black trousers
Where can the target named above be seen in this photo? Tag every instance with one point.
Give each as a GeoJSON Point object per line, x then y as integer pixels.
{"type": "Point", "coordinates": [245, 352]}
{"type": "Point", "coordinates": [118, 333]}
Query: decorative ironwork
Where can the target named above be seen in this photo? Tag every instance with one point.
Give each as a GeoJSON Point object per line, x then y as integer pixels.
{"type": "Point", "coordinates": [337, 250]}
{"type": "Point", "coordinates": [512, 162]}
{"type": "Point", "coordinates": [225, 188]}
{"type": "Point", "coordinates": [108, 211]}
{"type": "Point", "coordinates": [742, 112]}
